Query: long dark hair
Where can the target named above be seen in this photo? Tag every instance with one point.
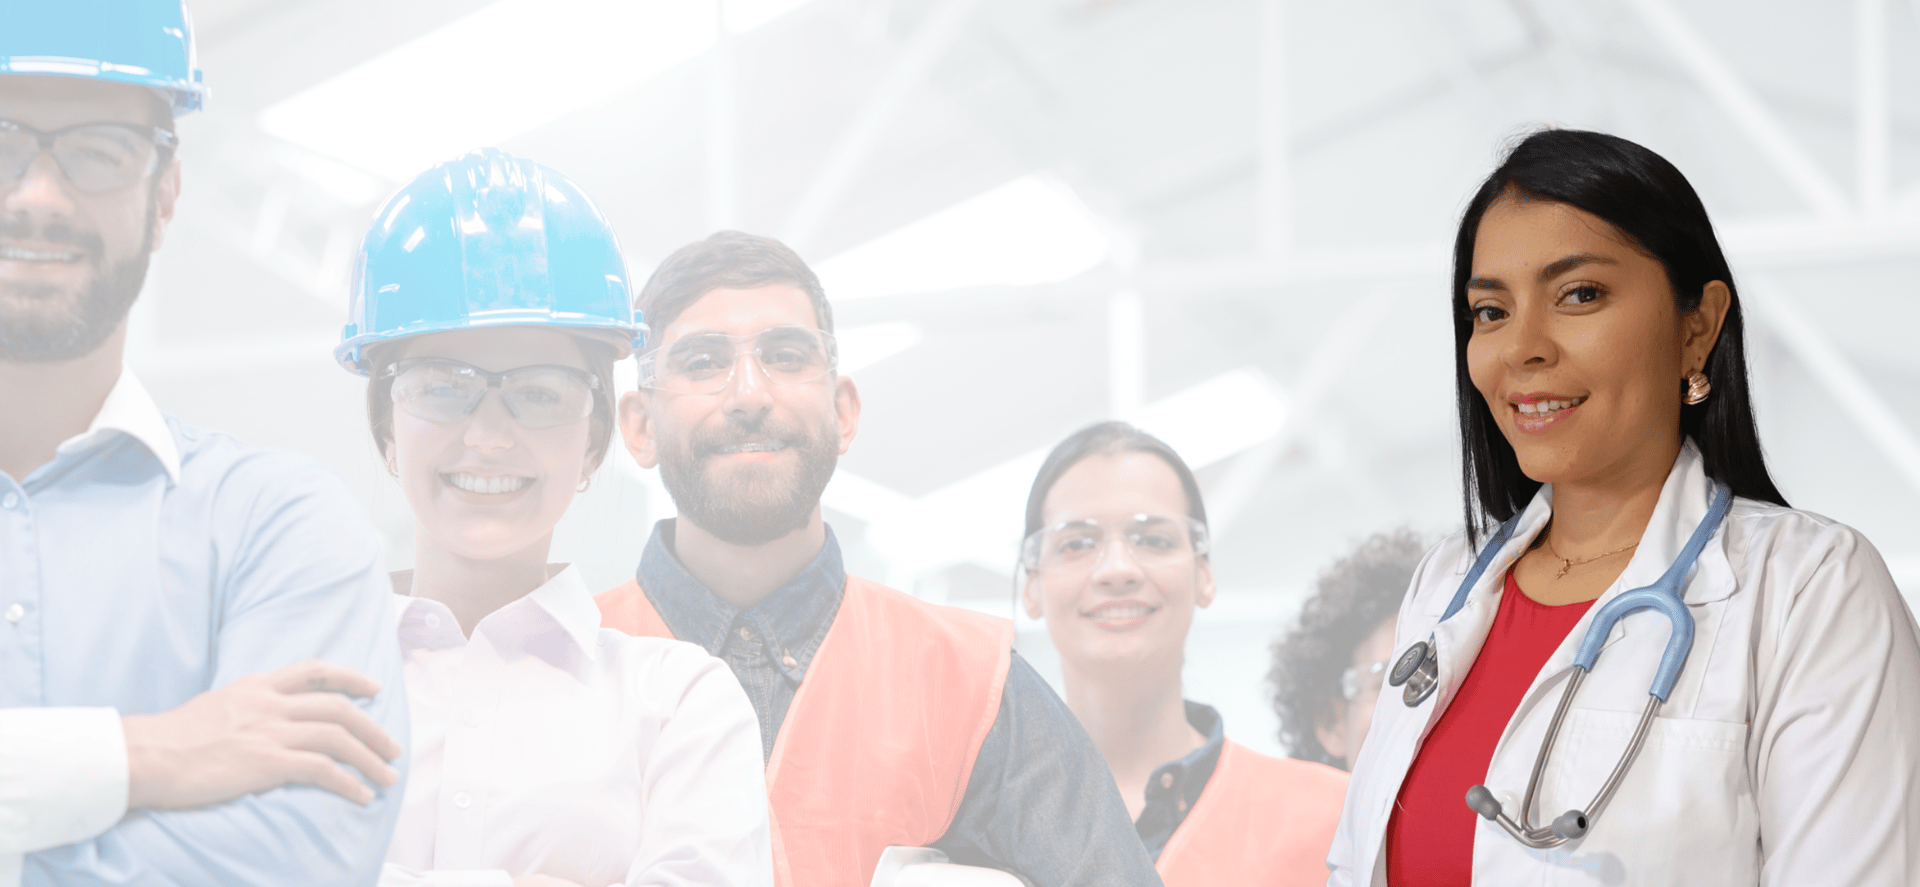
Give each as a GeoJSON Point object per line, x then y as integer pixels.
{"type": "Point", "coordinates": [1648, 201]}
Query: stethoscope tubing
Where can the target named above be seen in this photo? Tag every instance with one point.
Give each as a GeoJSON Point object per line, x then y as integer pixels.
{"type": "Point", "coordinates": [1418, 670]}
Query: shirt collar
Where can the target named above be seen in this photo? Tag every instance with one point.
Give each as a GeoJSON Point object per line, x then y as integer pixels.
{"type": "Point", "coordinates": [563, 602]}
{"type": "Point", "coordinates": [130, 410]}
{"type": "Point", "coordinates": [794, 617]}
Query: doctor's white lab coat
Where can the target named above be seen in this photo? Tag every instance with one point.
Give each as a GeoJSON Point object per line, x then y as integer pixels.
{"type": "Point", "coordinates": [1788, 753]}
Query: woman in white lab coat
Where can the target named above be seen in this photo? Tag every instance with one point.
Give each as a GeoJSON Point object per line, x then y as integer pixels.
{"type": "Point", "coordinates": [1603, 401]}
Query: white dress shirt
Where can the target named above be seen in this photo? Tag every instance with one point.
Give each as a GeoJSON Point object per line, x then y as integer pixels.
{"type": "Point", "coordinates": [546, 744]}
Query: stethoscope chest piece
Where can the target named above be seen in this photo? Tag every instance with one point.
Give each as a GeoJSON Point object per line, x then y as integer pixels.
{"type": "Point", "coordinates": [1416, 672]}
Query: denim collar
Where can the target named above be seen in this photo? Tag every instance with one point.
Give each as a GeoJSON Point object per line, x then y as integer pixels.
{"type": "Point", "coordinates": [793, 619]}
{"type": "Point", "coordinates": [1176, 785]}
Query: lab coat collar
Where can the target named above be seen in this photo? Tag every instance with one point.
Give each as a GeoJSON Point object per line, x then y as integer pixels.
{"type": "Point", "coordinates": [563, 605]}
{"type": "Point", "coordinates": [130, 410]}
{"type": "Point", "coordinates": [1684, 500]}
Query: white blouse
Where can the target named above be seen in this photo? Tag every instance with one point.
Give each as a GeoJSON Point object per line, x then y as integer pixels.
{"type": "Point", "coordinates": [546, 744]}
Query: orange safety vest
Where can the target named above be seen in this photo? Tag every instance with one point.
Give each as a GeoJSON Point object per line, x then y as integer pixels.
{"type": "Point", "coordinates": [1260, 821]}
{"type": "Point", "coordinates": [881, 737]}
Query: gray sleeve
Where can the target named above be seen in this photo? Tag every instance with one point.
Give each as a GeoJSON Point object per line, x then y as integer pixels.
{"type": "Point", "coordinates": [1040, 802]}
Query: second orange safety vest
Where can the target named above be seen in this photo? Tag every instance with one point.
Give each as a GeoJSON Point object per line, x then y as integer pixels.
{"type": "Point", "coordinates": [1261, 821]}
{"type": "Point", "coordinates": [881, 737]}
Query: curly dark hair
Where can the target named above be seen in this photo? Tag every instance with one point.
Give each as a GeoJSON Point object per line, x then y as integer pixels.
{"type": "Point", "coordinates": [1351, 598]}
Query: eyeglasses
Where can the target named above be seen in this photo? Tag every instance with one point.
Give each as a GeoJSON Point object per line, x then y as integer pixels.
{"type": "Point", "coordinates": [1152, 540]}
{"type": "Point", "coordinates": [705, 363]}
{"type": "Point", "coordinates": [1355, 680]}
{"type": "Point", "coordinates": [446, 391]}
{"type": "Point", "coordinates": [94, 156]}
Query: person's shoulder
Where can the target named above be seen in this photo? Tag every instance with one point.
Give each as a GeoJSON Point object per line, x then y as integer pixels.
{"type": "Point", "coordinates": [240, 484]}
{"type": "Point", "coordinates": [895, 604]}
{"type": "Point", "coordinates": [1308, 776]}
{"type": "Point", "coordinates": [219, 460]}
{"type": "Point", "coordinates": [656, 659]}
{"type": "Point", "coordinates": [1776, 536]}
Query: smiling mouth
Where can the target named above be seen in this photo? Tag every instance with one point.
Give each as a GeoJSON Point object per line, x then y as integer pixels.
{"type": "Point", "coordinates": [1547, 407]}
{"type": "Point", "coordinates": [753, 446]}
{"type": "Point", "coordinates": [474, 483]}
{"type": "Point", "coordinates": [1117, 612]}
{"type": "Point", "coordinates": [16, 254]}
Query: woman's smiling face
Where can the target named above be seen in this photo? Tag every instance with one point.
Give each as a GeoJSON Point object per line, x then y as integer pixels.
{"type": "Point", "coordinates": [1578, 346]}
{"type": "Point", "coordinates": [1116, 608]}
{"type": "Point", "coordinates": [485, 486]}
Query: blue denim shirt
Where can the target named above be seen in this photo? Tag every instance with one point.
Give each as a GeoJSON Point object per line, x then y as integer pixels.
{"type": "Point", "coordinates": [1176, 785]}
{"type": "Point", "coordinates": [139, 568]}
{"type": "Point", "coordinates": [1040, 802]}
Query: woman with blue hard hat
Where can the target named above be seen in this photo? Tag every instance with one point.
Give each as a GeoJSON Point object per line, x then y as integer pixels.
{"type": "Point", "coordinates": [1652, 670]}
{"type": "Point", "coordinates": [489, 306]}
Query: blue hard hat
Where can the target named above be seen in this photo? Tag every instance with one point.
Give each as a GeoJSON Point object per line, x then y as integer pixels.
{"type": "Point", "coordinates": [488, 239]}
{"type": "Point", "coordinates": [142, 42]}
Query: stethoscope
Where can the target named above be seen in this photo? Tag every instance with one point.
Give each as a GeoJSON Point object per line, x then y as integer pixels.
{"type": "Point", "coordinates": [1418, 670]}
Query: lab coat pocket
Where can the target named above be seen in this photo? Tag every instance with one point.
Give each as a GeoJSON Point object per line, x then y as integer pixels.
{"type": "Point", "coordinates": [1684, 812]}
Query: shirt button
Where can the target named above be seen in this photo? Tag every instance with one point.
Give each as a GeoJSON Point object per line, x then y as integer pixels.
{"type": "Point", "coordinates": [16, 613]}
{"type": "Point", "coordinates": [1166, 780]}
{"type": "Point", "coordinates": [787, 660]}
{"type": "Point", "coordinates": [9, 501]}
{"type": "Point", "coordinates": [746, 634]}
{"type": "Point", "coordinates": [462, 800]}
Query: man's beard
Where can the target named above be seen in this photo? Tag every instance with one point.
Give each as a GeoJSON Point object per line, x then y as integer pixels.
{"type": "Point", "coordinates": [77, 322]}
{"type": "Point", "coordinates": [755, 505]}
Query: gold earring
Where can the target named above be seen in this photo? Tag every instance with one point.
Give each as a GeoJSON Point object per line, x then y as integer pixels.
{"type": "Point", "coordinates": [584, 484]}
{"type": "Point", "coordinates": [392, 468]}
{"type": "Point", "coordinates": [1697, 387]}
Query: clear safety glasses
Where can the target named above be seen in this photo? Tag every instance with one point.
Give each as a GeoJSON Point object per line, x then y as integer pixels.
{"type": "Point", "coordinates": [95, 156]}
{"type": "Point", "coordinates": [1355, 681]}
{"type": "Point", "coordinates": [1152, 540]}
{"type": "Point", "coordinates": [446, 391]}
{"type": "Point", "coordinates": [705, 363]}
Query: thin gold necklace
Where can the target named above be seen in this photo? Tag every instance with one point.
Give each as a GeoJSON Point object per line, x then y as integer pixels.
{"type": "Point", "coordinates": [1568, 563]}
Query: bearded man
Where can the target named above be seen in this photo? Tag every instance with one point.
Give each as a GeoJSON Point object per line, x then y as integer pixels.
{"type": "Point", "coordinates": [158, 582]}
{"type": "Point", "coordinates": [886, 721]}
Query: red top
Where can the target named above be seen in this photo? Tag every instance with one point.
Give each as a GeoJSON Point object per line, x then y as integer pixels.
{"type": "Point", "coordinates": [1436, 850]}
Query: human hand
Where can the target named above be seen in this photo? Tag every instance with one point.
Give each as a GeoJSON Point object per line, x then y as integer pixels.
{"type": "Point", "coordinates": [258, 733]}
{"type": "Point", "coordinates": [542, 881]}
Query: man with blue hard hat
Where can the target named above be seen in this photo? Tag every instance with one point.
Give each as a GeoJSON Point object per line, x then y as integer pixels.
{"type": "Point", "coordinates": [197, 684]}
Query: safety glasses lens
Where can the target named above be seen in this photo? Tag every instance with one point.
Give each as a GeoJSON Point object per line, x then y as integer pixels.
{"type": "Point", "coordinates": [704, 364]}
{"type": "Point", "coordinates": [542, 397]}
{"type": "Point", "coordinates": [1150, 540]}
{"type": "Point", "coordinates": [99, 158]}
{"type": "Point", "coordinates": [94, 157]}
{"type": "Point", "coordinates": [536, 396]}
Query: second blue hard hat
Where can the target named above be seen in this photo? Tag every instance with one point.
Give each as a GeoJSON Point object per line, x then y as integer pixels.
{"type": "Point", "coordinates": [488, 239]}
{"type": "Point", "coordinates": [143, 42]}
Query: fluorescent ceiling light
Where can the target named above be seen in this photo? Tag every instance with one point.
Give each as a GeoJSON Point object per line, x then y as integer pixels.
{"type": "Point", "coordinates": [1028, 231]}
{"type": "Point", "coordinates": [864, 346]}
{"type": "Point", "coordinates": [499, 72]}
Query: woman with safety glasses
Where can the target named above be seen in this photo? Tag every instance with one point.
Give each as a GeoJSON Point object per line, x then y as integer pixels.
{"type": "Point", "coordinates": [488, 310]}
{"type": "Point", "coordinates": [1637, 665]}
{"type": "Point", "coordinates": [1116, 562]}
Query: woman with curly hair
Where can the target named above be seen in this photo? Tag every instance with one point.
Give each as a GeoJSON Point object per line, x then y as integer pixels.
{"type": "Point", "coordinates": [1327, 671]}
